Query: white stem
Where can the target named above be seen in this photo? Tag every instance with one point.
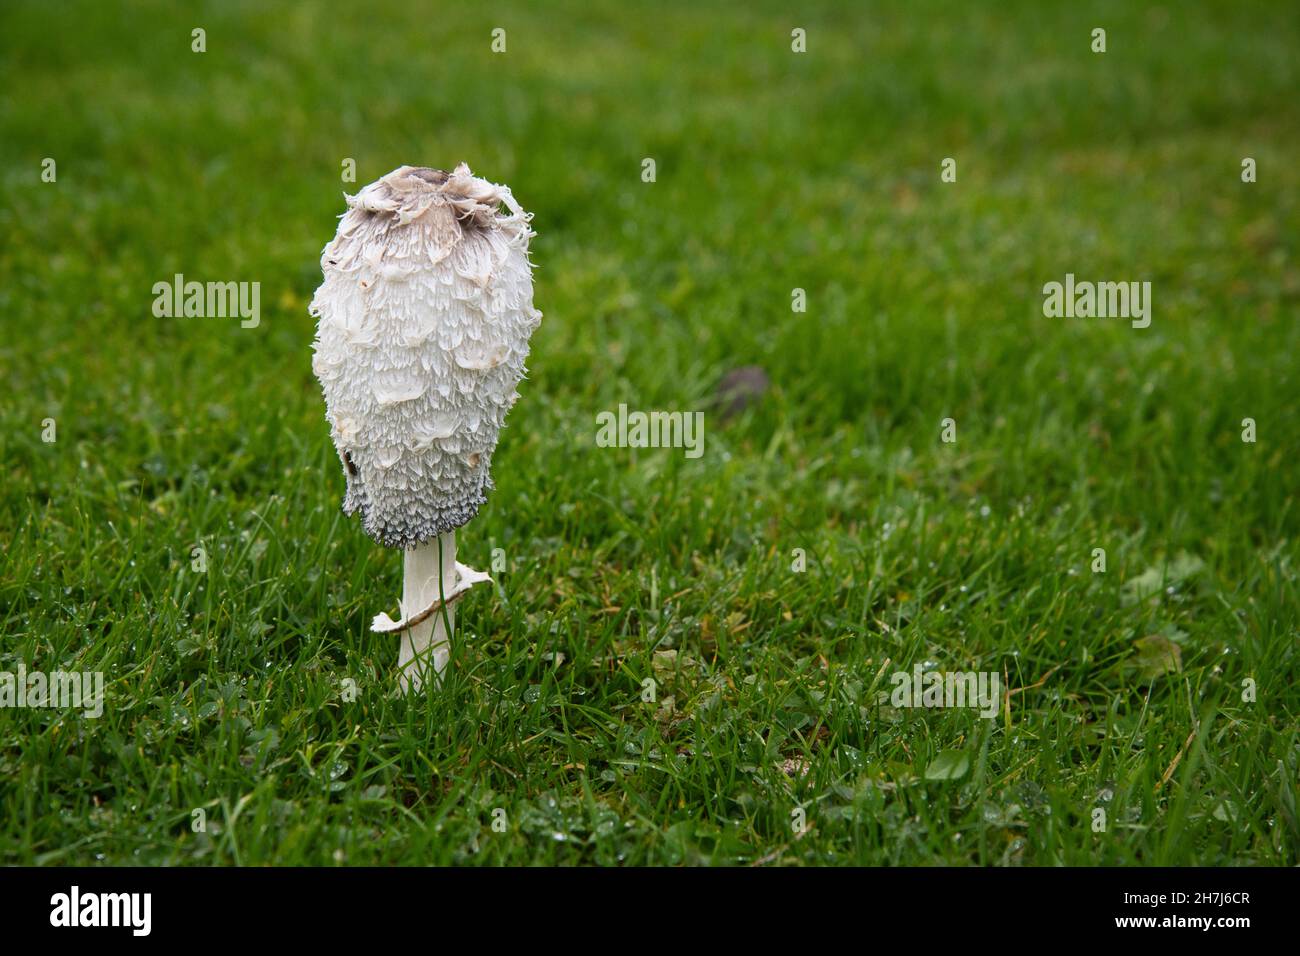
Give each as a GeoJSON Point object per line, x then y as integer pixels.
{"type": "Point", "coordinates": [428, 573]}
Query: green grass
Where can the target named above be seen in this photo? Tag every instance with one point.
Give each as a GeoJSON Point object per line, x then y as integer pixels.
{"type": "Point", "coordinates": [775, 171]}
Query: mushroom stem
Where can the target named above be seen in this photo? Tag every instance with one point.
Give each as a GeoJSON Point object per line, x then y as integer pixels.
{"type": "Point", "coordinates": [428, 575]}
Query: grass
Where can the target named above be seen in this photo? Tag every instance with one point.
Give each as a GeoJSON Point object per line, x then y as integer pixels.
{"type": "Point", "coordinates": [226, 689]}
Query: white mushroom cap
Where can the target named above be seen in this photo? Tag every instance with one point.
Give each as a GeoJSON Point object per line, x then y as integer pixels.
{"type": "Point", "coordinates": [424, 318]}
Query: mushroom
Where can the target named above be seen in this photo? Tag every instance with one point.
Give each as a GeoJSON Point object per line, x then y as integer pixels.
{"type": "Point", "coordinates": [424, 317]}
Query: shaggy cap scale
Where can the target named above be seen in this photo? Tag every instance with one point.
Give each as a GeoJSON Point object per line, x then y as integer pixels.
{"type": "Point", "coordinates": [423, 325]}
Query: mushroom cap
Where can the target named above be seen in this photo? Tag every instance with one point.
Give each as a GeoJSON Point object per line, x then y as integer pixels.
{"type": "Point", "coordinates": [423, 323]}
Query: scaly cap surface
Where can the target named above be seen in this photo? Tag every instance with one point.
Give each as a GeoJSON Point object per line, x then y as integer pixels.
{"type": "Point", "coordinates": [423, 324]}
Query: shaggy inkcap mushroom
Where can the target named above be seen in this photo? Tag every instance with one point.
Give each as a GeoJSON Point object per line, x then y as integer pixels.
{"type": "Point", "coordinates": [424, 318]}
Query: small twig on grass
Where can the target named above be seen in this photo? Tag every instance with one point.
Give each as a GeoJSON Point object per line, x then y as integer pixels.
{"type": "Point", "coordinates": [1169, 772]}
{"type": "Point", "coordinates": [1038, 683]}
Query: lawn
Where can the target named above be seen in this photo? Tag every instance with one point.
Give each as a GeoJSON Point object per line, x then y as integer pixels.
{"type": "Point", "coordinates": [828, 537]}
